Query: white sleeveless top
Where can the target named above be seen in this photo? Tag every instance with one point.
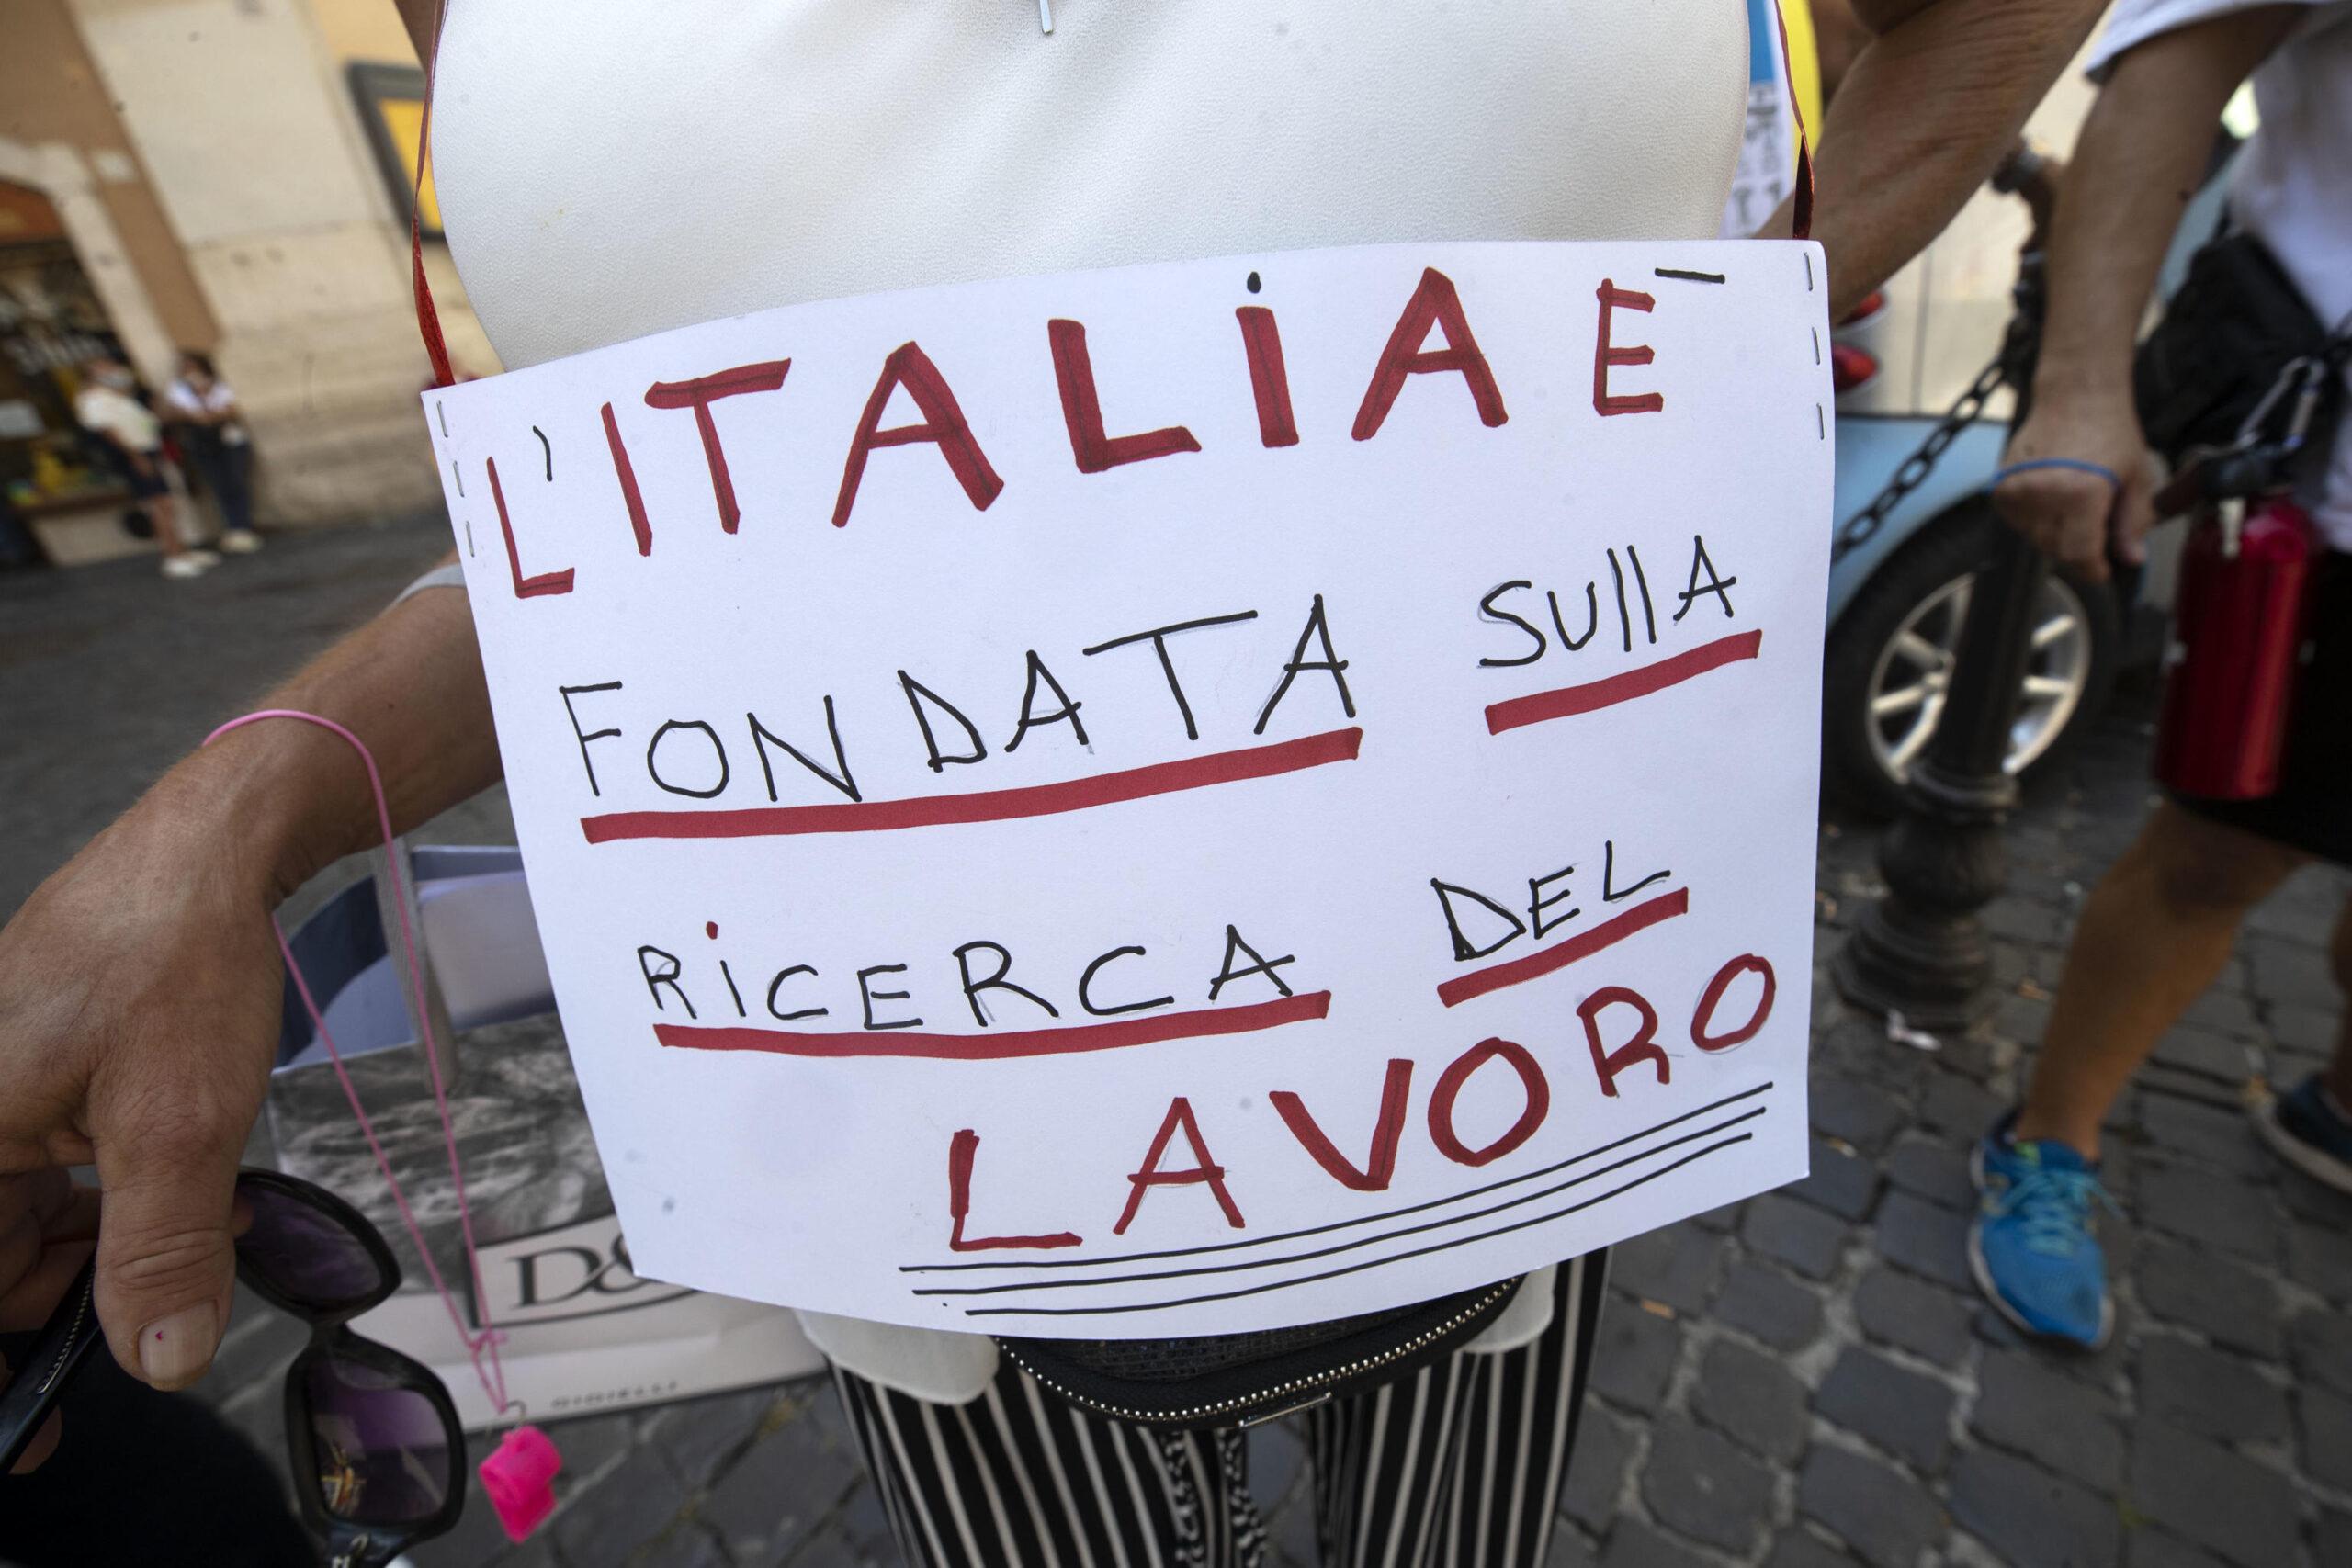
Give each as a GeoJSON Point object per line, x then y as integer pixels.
{"type": "Point", "coordinates": [610, 168]}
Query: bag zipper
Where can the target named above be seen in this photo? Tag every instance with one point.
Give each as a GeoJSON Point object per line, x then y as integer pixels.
{"type": "Point", "coordinates": [1296, 1385]}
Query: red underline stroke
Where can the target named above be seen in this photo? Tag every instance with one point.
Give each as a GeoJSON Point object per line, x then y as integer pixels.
{"type": "Point", "coordinates": [1622, 687]}
{"type": "Point", "coordinates": [1199, 1024]}
{"type": "Point", "coordinates": [1608, 934]}
{"type": "Point", "coordinates": [983, 805]}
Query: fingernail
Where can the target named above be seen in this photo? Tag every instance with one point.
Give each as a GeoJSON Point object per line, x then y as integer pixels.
{"type": "Point", "coordinates": [174, 1351]}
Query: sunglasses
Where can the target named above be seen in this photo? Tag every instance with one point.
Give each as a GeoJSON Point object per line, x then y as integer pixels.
{"type": "Point", "coordinates": [376, 1449]}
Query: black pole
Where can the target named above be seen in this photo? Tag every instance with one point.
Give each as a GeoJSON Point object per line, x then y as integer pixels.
{"type": "Point", "coordinates": [1920, 950]}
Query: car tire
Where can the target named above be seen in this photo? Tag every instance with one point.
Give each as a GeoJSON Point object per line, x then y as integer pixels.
{"type": "Point", "coordinates": [1860, 664]}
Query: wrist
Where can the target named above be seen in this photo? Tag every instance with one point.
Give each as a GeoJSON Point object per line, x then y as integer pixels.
{"type": "Point", "coordinates": [2093, 379]}
{"type": "Point", "coordinates": [267, 807]}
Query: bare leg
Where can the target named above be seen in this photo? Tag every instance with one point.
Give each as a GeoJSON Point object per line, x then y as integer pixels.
{"type": "Point", "coordinates": [165, 517]}
{"type": "Point", "coordinates": [2154, 933]}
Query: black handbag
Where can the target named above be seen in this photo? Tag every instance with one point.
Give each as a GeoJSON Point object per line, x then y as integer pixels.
{"type": "Point", "coordinates": [1237, 1379]}
{"type": "Point", "coordinates": [2227, 334]}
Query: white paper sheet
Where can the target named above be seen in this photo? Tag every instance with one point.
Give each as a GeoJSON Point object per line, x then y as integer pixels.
{"type": "Point", "coordinates": [917, 1155]}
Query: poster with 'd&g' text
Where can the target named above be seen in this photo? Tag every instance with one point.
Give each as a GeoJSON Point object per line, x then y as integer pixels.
{"type": "Point", "coordinates": [1178, 799]}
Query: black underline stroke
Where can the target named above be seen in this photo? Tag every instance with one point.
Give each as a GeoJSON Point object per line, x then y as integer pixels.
{"type": "Point", "coordinates": [1593, 1175]}
{"type": "Point", "coordinates": [1707, 1110]}
{"type": "Point", "coordinates": [1368, 1263]}
{"type": "Point", "coordinates": [1688, 277]}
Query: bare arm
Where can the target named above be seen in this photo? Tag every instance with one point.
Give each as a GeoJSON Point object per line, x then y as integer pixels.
{"type": "Point", "coordinates": [2137, 162]}
{"type": "Point", "coordinates": [140, 985]}
{"type": "Point", "coordinates": [1928, 107]}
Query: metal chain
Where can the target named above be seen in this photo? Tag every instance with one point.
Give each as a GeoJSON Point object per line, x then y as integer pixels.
{"type": "Point", "coordinates": [2012, 365]}
{"type": "Point", "coordinates": [1856, 530]}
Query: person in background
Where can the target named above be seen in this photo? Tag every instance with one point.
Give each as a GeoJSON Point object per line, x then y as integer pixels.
{"type": "Point", "coordinates": [217, 440]}
{"type": "Point", "coordinates": [2160, 925]}
{"type": "Point", "coordinates": [109, 409]}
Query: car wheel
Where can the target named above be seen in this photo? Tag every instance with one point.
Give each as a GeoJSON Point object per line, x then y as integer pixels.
{"type": "Point", "coordinates": [1888, 666]}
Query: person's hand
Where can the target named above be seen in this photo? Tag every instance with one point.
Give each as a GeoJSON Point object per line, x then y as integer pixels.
{"type": "Point", "coordinates": [47, 1228]}
{"type": "Point", "coordinates": [142, 464]}
{"type": "Point", "coordinates": [2070, 513]}
{"type": "Point", "coordinates": [139, 1008]}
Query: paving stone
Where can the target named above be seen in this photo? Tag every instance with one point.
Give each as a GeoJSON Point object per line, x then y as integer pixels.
{"type": "Point", "coordinates": [1884, 1515]}
{"type": "Point", "coordinates": [2324, 1421]}
{"type": "Point", "coordinates": [1925, 1239]}
{"type": "Point", "coordinates": [1720, 1221]}
{"type": "Point", "coordinates": [1697, 1483]}
{"type": "Point", "coordinates": [2323, 1349]}
{"type": "Point", "coordinates": [590, 1445]}
{"type": "Point", "coordinates": [2148, 1547]}
{"type": "Point", "coordinates": [2290, 972]}
{"type": "Point", "coordinates": [1570, 1548]}
{"type": "Point", "coordinates": [1596, 1468]}
{"type": "Point", "coordinates": [1676, 1266]}
{"type": "Point", "coordinates": [2026, 1405]}
{"type": "Point", "coordinates": [1797, 1547]}
{"type": "Point", "coordinates": [1277, 1458]}
{"type": "Point", "coordinates": [864, 1525]}
{"type": "Point", "coordinates": [605, 1522]}
{"type": "Point", "coordinates": [2229, 1305]}
{"type": "Point", "coordinates": [1844, 1184]}
{"type": "Point", "coordinates": [2319, 1259]}
{"type": "Point", "coordinates": [2225, 1013]}
{"type": "Point", "coordinates": [765, 1504]}
{"type": "Point", "coordinates": [2217, 1057]}
{"type": "Point", "coordinates": [2310, 1030]}
{"type": "Point", "coordinates": [2332, 1541]}
{"type": "Point", "coordinates": [1904, 1311]}
{"type": "Point", "coordinates": [1762, 1301]}
{"type": "Point", "coordinates": [1633, 1544]}
{"type": "Point", "coordinates": [2032, 1519]}
{"type": "Point", "coordinates": [1753, 1398]}
{"type": "Point", "coordinates": [1802, 1237]}
{"type": "Point", "coordinates": [684, 1546]}
{"type": "Point", "coordinates": [2207, 1494]}
{"type": "Point", "coordinates": [1293, 1533]}
{"type": "Point", "coordinates": [2314, 1200]}
{"type": "Point", "coordinates": [1906, 1413]}
{"type": "Point", "coordinates": [1932, 1170]}
{"type": "Point", "coordinates": [2021, 1018]}
{"type": "Point", "coordinates": [1634, 1355]}
{"type": "Point", "coordinates": [2208, 1392]}
{"type": "Point", "coordinates": [2223, 1139]}
{"type": "Point", "coordinates": [2156, 1079]}
{"type": "Point", "coordinates": [1957, 1107]}
{"type": "Point", "coordinates": [699, 1435]}
{"type": "Point", "coordinates": [2022, 920]}
{"type": "Point", "coordinates": [1862, 1116]}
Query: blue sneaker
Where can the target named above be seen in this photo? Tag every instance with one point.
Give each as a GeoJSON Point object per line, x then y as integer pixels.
{"type": "Point", "coordinates": [2030, 1245]}
{"type": "Point", "coordinates": [2306, 1130]}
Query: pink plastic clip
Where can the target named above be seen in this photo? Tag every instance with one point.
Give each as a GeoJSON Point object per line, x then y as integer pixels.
{"type": "Point", "coordinates": [519, 1477]}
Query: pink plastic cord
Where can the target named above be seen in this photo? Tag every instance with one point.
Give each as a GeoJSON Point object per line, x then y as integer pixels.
{"type": "Point", "coordinates": [493, 1379]}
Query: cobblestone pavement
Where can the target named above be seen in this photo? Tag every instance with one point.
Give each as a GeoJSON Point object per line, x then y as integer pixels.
{"type": "Point", "coordinates": [1804, 1379]}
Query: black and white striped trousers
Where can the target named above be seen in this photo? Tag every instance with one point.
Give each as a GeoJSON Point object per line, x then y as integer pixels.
{"type": "Point", "coordinates": [1458, 1466]}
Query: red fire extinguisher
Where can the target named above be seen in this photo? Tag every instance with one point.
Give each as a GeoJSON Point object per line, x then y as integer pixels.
{"type": "Point", "coordinates": [2237, 641]}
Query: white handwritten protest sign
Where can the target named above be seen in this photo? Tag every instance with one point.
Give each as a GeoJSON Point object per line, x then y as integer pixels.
{"type": "Point", "coordinates": [1178, 799]}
